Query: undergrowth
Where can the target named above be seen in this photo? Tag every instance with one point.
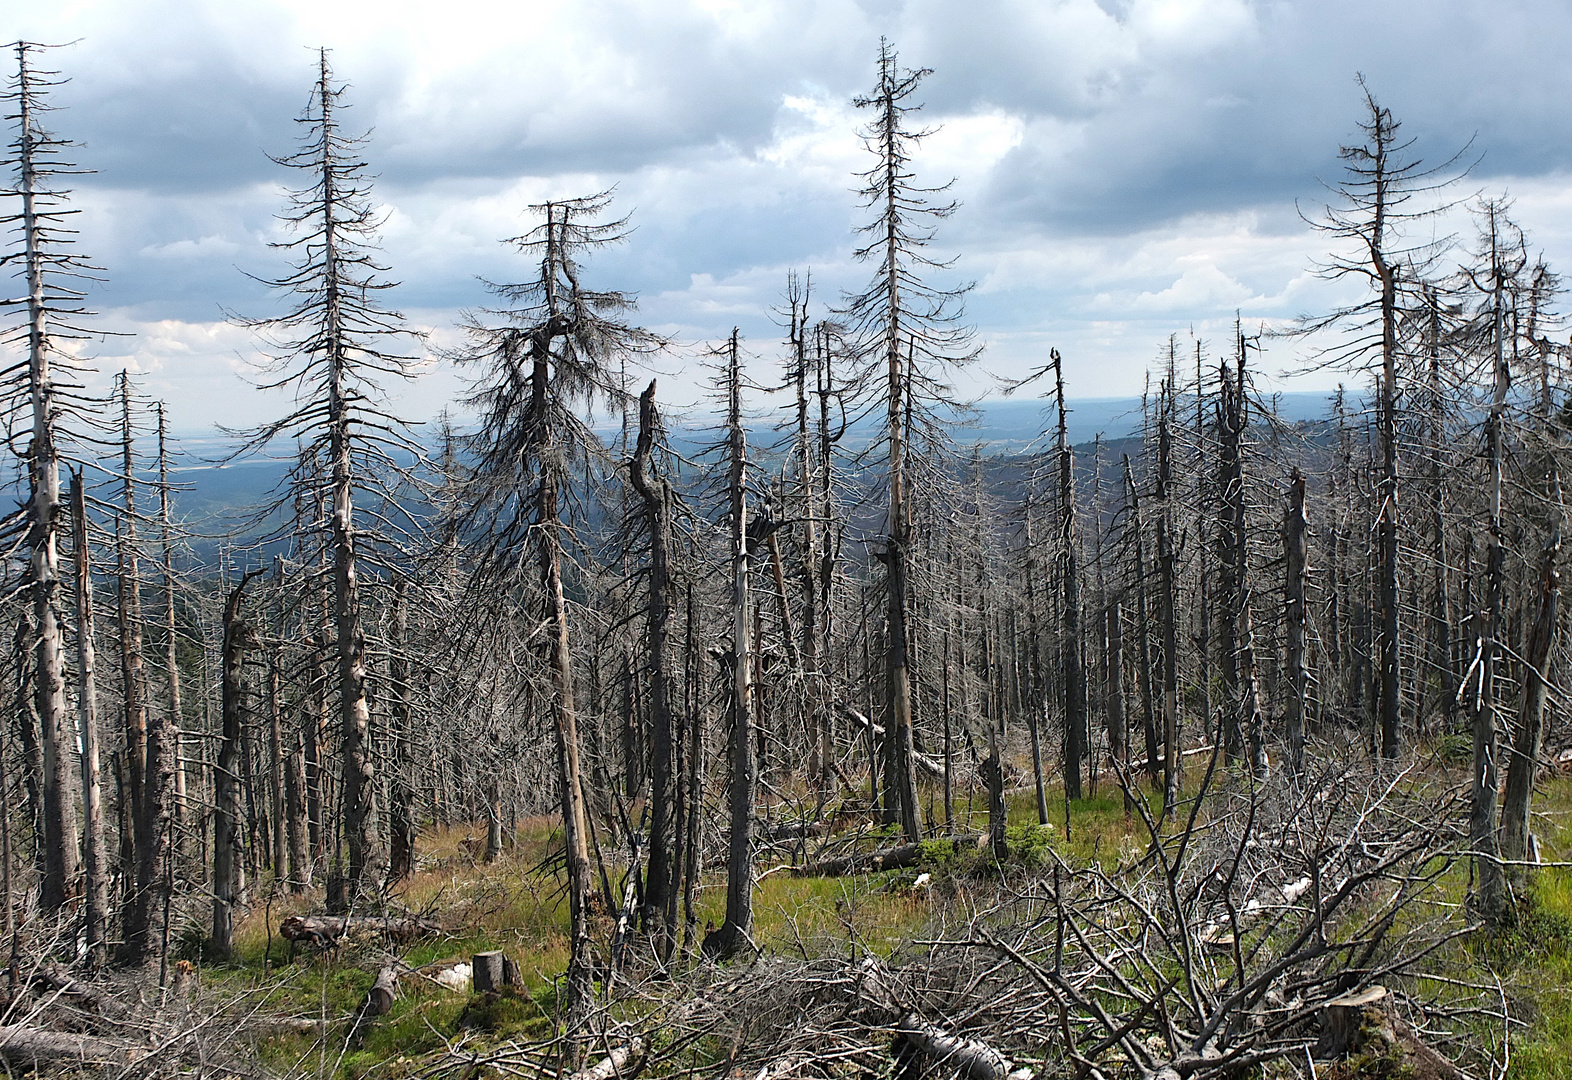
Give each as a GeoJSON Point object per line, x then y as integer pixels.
{"type": "Point", "coordinates": [517, 906]}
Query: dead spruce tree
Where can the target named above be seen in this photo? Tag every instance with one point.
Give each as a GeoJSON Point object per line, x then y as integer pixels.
{"type": "Point", "coordinates": [331, 348]}
{"type": "Point", "coordinates": [555, 348]}
{"type": "Point", "coordinates": [1382, 178]}
{"type": "Point", "coordinates": [908, 331]}
{"type": "Point", "coordinates": [742, 686]}
{"type": "Point", "coordinates": [43, 402]}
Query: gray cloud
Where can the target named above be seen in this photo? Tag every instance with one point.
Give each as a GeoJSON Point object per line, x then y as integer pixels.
{"type": "Point", "coordinates": [1126, 168]}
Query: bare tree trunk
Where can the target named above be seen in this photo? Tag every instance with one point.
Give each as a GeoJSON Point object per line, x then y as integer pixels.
{"type": "Point", "coordinates": [295, 813]}
{"type": "Point", "coordinates": [812, 652]}
{"type": "Point", "coordinates": [695, 783]}
{"type": "Point", "coordinates": [1166, 616]}
{"type": "Point", "coordinates": [896, 549]}
{"type": "Point", "coordinates": [358, 800]}
{"type": "Point", "coordinates": [565, 715]}
{"type": "Point", "coordinates": [44, 515]}
{"type": "Point", "coordinates": [1516, 835]}
{"type": "Point", "coordinates": [1036, 697]}
{"type": "Point", "coordinates": [96, 857]}
{"type": "Point", "coordinates": [313, 715]}
{"type": "Point", "coordinates": [1070, 644]}
{"type": "Point", "coordinates": [149, 745]}
{"type": "Point", "coordinates": [228, 848]}
{"type": "Point", "coordinates": [1295, 552]}
{"type": "Point", "coordinates": [401, 799]}
{"type": "Point", "coordinates": [25, 708]}
{"type": "Point", "coordinates": [171, 730]}
{"type": "Point", "coordinates": [1113, 684]}
{"type": "Point", "coordinates": [275, 765]}
{"type": "Point", "coordinates": [1490, 892]}
{"type": "Point", "coordinates": [656, 494]}
{"type": "Point", "coordinates": [738, 926]}
{"type": "Point", "coordinates": [1230, 553]}
{"type": "Point", "coordinates": [1387, 519]}
{"type": "Point", "coordinates": [1143, 632]}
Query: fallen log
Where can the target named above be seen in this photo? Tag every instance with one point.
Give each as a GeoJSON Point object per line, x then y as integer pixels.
{"type": "Point", "coordinates": [868, 862]}
{"type": "Point", "coordinates": [615, 1063]}
{"type": "Point", "coordinates": [22, 1046]}
{"type": "Point", "coordinates": [975, 1058]}
{"type": "Point", "coordinates": [55, 977]}
{"type": "Point", "coordinates": [324, 931]}
{"type": "Point", "coordinates": [864, 862]}
{"type": "Point", "coordinates": [789, 830]}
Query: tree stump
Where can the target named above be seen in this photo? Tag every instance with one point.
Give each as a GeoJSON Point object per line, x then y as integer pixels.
{"type": "Point", "coordinates": [489, 972]}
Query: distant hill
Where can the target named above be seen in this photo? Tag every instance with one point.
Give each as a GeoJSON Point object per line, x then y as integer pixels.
{"type": "Point", "coordinates": [214, 499]}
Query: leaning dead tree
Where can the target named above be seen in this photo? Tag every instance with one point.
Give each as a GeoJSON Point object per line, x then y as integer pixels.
{"type": "Point", "coordinates": [555, 347]}
{"type": "Point", "coordinates": [332, 348]}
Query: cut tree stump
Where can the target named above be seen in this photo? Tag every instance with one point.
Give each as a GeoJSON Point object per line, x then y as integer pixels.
{"type": "Point", "coordinates": [491, 971]}
{"type": "Point", "coordinates": [379, 999]}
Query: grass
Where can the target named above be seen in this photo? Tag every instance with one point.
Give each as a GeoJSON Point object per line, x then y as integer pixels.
{"type": "Point", "coordinates": [515, 906]}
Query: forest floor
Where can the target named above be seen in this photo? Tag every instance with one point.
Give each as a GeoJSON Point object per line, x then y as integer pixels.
{"type": "Point", "coordinates": [299, 1008]}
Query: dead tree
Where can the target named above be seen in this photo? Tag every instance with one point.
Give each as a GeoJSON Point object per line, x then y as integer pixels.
{"type": "Point", "coordinates": [558, 346]}
{"type": "Point", "coordinates": [95, 858]}
{"type": "Point", "coordinates": [331, 348]}
{"type": "Point", "coordinates": [1295, 551]}
{"type": "Point", "coordinates": [171, 731]}
{"type": "Point", "coordinates": [228, 841]}
{"type": "Point", "coordinates": [1167, 602]}
{"type": "Point", "coordinates": [908, 332]}
{"type": "Point", "coordinates": [1516, 841]}
{"type": "Point", "coordinates": [41, 396]}
{"type": "Point", "coordinates": [1499, 266]}
{"type": "Point", "coordinates": [656, 496]}
{"type": "Point", "coordinates": [1070, 643]}
{"type": "Point", "coordinates": [1382, 178]}
{"type": "Point", "coordinates": [738, 927]}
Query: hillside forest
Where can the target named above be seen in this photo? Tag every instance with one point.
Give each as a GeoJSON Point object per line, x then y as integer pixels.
{"type": "Point", "coordinates": [799, 737]}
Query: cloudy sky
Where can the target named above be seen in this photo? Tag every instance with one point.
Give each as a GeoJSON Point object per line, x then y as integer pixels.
{"type": "Point", "coordinates": [1126, 169]}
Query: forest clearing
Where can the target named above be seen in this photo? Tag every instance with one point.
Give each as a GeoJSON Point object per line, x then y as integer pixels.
{"type": "Point", "coordinates": [793, 737]}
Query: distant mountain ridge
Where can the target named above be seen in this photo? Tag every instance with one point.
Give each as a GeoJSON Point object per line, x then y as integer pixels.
{"type": "Point", "coordinates": [214, 498]}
